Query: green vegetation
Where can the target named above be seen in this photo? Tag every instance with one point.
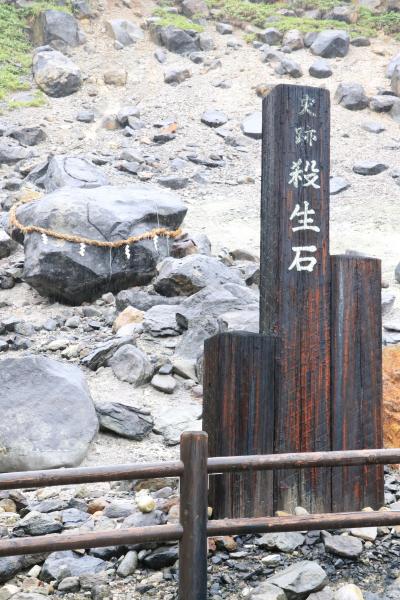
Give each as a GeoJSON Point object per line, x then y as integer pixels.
{"type": "Point", "coordinates": [15, 48]}
{"type": "Point", "coordinates": [38, 99]}
{"type": "Point", "coordinates": [263, 15]}
{"type": "Point", "coordinates": [168, 18]}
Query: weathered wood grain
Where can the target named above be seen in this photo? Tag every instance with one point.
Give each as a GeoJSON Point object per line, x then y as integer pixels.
{"type": "Point", "coordinates": [239, 418]}
{"type": "Point", "coordinates": [356, 378]}
{"type": "Point", "coordinates": [295, 305]}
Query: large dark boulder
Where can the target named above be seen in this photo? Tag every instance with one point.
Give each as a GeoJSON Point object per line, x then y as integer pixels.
{"type": "Point", "coordinates": [71, 171]}
{"type": "Point", "coordinates": [176, 40]}
{"type": "Point", "coordinates": [47, 415]}
{"type": "Point", "coordinates": [56, 27]}
{"type": "Point", "coordinates": [331, 43]}
{"type": "Point", "coordinates": [73, 274]}
{"type": "Point", "coordinates": [55, 74]}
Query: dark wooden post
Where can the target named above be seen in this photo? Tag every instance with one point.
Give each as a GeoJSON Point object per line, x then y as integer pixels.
{"type": "Point", "coordinates": [356, 378]}
{"type": "Point", "coordinates": [239, 419]}
{"type": "Point", "coordinates": [193, 517]}
{"type": "Point", "coordinates": [295, 281]}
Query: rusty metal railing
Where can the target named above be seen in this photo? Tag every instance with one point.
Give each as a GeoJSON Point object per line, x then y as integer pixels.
{"type": "Point", "coordinates": [193, 469]}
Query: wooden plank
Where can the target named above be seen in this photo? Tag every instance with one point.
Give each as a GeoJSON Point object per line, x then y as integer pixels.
{"type": "Point", "coordinates": [356, 378]}
{"type": "Point", "coordinates": [238, 417]}
{"type": "Point", "coordinates": [295, 281]}
{"type": "Point", "coordinates": [193, 517]}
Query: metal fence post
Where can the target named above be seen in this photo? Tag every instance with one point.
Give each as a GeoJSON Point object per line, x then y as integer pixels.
{"type": "Point", "coordinates": [193, 517]}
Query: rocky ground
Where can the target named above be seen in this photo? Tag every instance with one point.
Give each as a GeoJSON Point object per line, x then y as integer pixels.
{"type": "Point", "coordinates": [179, 131]}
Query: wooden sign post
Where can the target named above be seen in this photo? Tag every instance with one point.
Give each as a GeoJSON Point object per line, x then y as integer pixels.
{"type": "Point", "coordinates": [295, 281]}
{"type": "Point", "coordinates": [311, 381]}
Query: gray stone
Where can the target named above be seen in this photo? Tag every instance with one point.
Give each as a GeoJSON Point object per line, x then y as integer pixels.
{"type": "Point", "coordinates": [139, 519]}
{"type": "Point", "coordinates": [85, 116]}
{"type": "Point", "coordinates": [73, 517]}
{"type": "Point", "coordinates": [175, 40]}
{"type": "Point", "coordinates": [194, 8]}
{"type": "Point", "coordinates": [320, 69]}
{"type": "Point", "coordinates": [395, 81]}
{"type": "Point", "coordinates": [309, 38]}
{"type": "Point", "coordinates": [160, 55]}
{"type": "Point", "coordinates": [331, 43]}
{"type": "Point", "coordinates": [395, 61]}
{"type": "Point", "coordinates": [369, 167]}
{"type": "Point", "coordinates": [142, 299]}
{"type": "Point", "coordinates": [164, 383]}
{"type": "Point", "coordinates": [59, 565]}
{"type": "Point", "coordinates": [287, 66]}
{"type": "Point", "coordinates": [132, 365]}
{"type": "Point", "coordinates": [252, 125]}
{"type": "Point", "coordinates": [293, 39]}
{"type": "Point", "coordinates": [337, 185]}
{"type": "Point", "coordinates": [176, 74]}
{"type": "Point", "coordinates": [373, 127]}
{"type": "Point", "coordinates": [397, 273]}
{"type": "Point", "coordinates": [103, 352]}
{"type": "Point", "coordinates": [55, 74]}
{"type": "Point", "coordinates": [7, 245]}
{"type": "Point", "coordinates": [73, 172]}
{"type": "Point", "coordinates": [106, 212]}
{"type": "Point", "coordinates": [300, 579]}
{"type": "Point", "coordinates": [120, 509]}
{"type": "Point", "coordinates": [162, 557]}
{"type": "Point", "coordinates": [69, 584]}
{"type": "Point", "coordinates": [382, 103]}
{"type": "Point", "coordinates": [173, 182]}
{"type": "Point", "coordinates": [346, 14]}
{"type": "Point", "coordinates": [123, 116]}
{"type": "Point", "coordinates": [326, 594]}
{"type": "Point", "coordinates": [388, 297]}
{"type": "Point", "coordinates": [53, 404]}
{"type": "Point", "coordinates": [28, 136]}
{"type": "Point", "coordinates": [170, 422]}
{"type": "Point", "coordinates": [224, 28]}
{"type": "Point", "coordinates": [360, 42]}
{"type": "Point", "coordinates": [128, 565]}
{"type": "Point", "coordinates": [267, 591]}
{"type": "Point", "coordinates": [206, 42]}
{"type": "Point", "coordinates": [351, 96]}
{"type": "Point", "coordinates": [12, 152]}
{"type": "Point", "coordinates": [126, 421]}
{"type": "Point", "coordinates": [240, 320]}
{"type": "Point", "coordinates": [36, 523]}
{"type": "Point", "coordinates": [270, 55]}
{"type": "Point", "coordinates": [285, 542]}
{"type": "Point", "coordinates": [344, 545]}
{"type": "Point", "coordinates": [160, 320]}
{"type": "Point", "coordinates": [188, 275]}
{"type": "Point", "coordinates": [270, 36]}
{"type": "Point", "coordinates": [123, 31]}
{"type": "Point", "coordinates": [214, 118]}
{"type": "Point", "coordinates": [55, 27]}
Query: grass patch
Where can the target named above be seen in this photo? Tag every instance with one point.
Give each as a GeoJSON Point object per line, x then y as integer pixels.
{"type": "Point", "coordinates": [38, 99]}
{"type": "Point", "coordinates": [266, 15]}
{"type": "Point", "coordinates": [15, 48]}
{"type": "Point", "coordinates": [175, 20]}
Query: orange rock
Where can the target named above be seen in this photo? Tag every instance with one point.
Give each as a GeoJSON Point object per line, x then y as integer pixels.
{"type": "Point", "coordinates": [391, 397]}
{"type": "Point", "coordinates": [127, 317]}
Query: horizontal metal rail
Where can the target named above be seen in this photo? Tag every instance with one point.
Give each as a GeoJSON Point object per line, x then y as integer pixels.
{"type": "Point", "coordinates": [164, 533]}
{"type": "Point", "coordinates": [301, 460]}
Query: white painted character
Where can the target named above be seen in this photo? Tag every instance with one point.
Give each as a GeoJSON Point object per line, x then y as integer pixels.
{"type": "Point", "coordinates": [307, 104]}
{"type": "Point", "coordinates": [304, 218]}
{"type": "Point", "coordinates": [307, 135]}
{"type": "Point", "coordinates": [303, 263]}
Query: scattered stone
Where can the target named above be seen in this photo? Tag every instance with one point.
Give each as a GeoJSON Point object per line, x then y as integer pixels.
{"type": "Point", "coordinates": [72, 172]}
{"type": "Point", "coordinates": [214, 118]}
{"type": "Point", "coordinates": [320, 69]}
{"type": "Point", "coordinates": [267, 591]}
{"type": "Point", "coordinates": [175, 39]}
{"type": "Point", "coordinates": [85, 116]}
{"type": "Point", "coordinates": [69, 584]}
{"type": "Point", "coordinates": [128, 565]}
{"type": "Point", "coordinates": [368, 534]}
{"type": "Point", "coordinates": [300, 579]}
{"type": "Point", "coordinates": [344, 545]}
{"type": "Point", "coordinates": [186, 276]}
{"type": "Point", "coordinates": [126, 421]}
{"type": "Point", "coordinates": [270, 36]}
{"type": "Point", "coordinates": [285, 542]}
{"type": "Point", "coordinates": [100, 355]}
{"type": "Point", "coordinates": [348, 592]}
{"type": "Point", "coordinates": [132, 365]}
{"type": "Point", "coordinates": [252, 125]}
{"type": "Point", "coordinates": [293, 40]}
{"type": "Point", "coordinates": [36, 523]}
{"type": "Point", "coordinates": [59, 565]}
{"type": "Point", "coordinates": [55, 74]}
{"type": "Point", "coordinates": [351, 96]}
{"type": "Point", "coordinates": [53, 404]}
{"type": "Point", "coordinates": [175, 75]}
{"type": "Point", "coordinates": [119, 509]}
{"type": "Point", "coordinates": [57, 28]}
{"type": "Point", "coordinates": [124, 32]}
{"type": "Point", "coordinates": [128, 316]}
{"type": "Point", "coordinates": [173, 182]}
{"type": "Point", "coordinates": [290, 67]}
{"type": "Point", "coordinates": [369, 167]}
{"type": "Point", "coordinates": [382, 103]}
{"type": "Point", "coordinates": [160, 55]}
{"type": "Point", "coordinates": [162, 557]}
{"type": "Point", "coordinates": [331, 43]}
{"type": "Point", "coordinates": [337, 185]}
{"type": "Point", "coordinates": [115, 76]}
{"type": "Point", "coordinates": [395, 81]}
{"type": "Point", "coordinates": [160, 320]}
{"type": "Point", "coordinates": [373, 127]}
{"type": "Point", "coordinates": [28, 136]}
{"type": "Point", "coordinates": [164, 383]}
{"type": "Point", "coordinates": [7, 245]}
{"type": "Point", "coordinates": [171, 422]}
{"type": "Point", "coordinates": [224, 28]}
{"type": "Point", "coordinates": [12, 152]}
